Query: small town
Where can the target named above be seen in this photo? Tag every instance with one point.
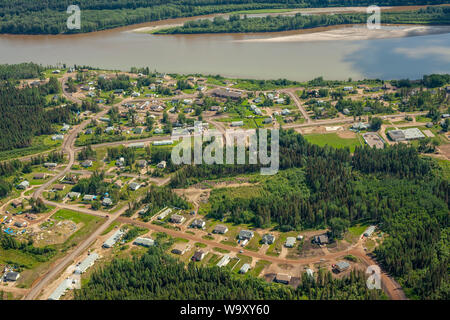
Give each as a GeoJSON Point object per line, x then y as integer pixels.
{"type": "Point", "coordinates": [95, 199]}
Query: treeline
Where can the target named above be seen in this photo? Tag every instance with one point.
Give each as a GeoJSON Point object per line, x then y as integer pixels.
{"type": "Point", "coordinates": [49, 17]}
{"type": "Point", "coordinates": [158, 276]}
{"type": "Point", "coordinates": [20, 71]}
{"type": "Point", "coordinates": [236, 24]}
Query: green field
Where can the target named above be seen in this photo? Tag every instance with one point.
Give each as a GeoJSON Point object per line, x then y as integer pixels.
{"type": "Point", "coordinates": [333, 140]}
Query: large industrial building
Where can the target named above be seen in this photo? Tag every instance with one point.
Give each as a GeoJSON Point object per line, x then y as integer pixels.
{"type": "Point", "coordinates": [405, 135]}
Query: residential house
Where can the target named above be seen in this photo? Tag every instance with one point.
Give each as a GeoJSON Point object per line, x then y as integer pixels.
{"type": "Point", "coordinates": [58, 187]}
{"type": "Point", "coordinates": [73, 195]}
{"type": "Point", "coordinates": [224, 261]}
{"type": "Point", "coordinates": [107, 202]}
{"type": "Point", "coordinates": [237, 123]}
{"type": "Point", "coordinates": [245, 235]}
{"type": "Point", "coordinates": [11, 276]}
{"type": "Point", "coordinates": [282, 278]}
{"type": "Point", "coordinates": [290, 242]}
{"type": "Point", "coordinates": [16, 203]}
{"type": "Point", "coordinates": [145, 242]}
{"type": "Point", "coordinates": [89, 197]}
{"type": "Point", "coordinates": [341, 266]}
{"type": "Point", "coordinates": [164, 214]}
{"type": "Point", "coordinates": [87, 164]}
{"type": "Point", "coordinates": [322, 239]}
{"type": "Point", "coordinates": [244, 269]}
{"type": "Point", "coordinates": [58, 137]}
{"type": "Point", "coordinates": [134, 186]}
{"type": "Point", "coordinates": [220, 229]}
{"type": "Point", "coordinates": [86, 263]}
{"type": "Point", "coordinates": [39, 176]}
{"type": "Point", "coordinates": [180, 248]}
{"type": "Point", "coordinates": [113, 239]}
{"type": "Point", "coordinates": [142, 163]}
{"type": "Point", "coordinates": [369, 231]}
{"type": "Point", "coordinates": [176, 218]}
{"type": "Point", "coordinates": [23, 185]}
{"type": "Point", "coordinates": [198, 255]}
{"type": "Point", "coordinates": [268, 238]}
{"type": "Point", "coordinates": [198, 223]}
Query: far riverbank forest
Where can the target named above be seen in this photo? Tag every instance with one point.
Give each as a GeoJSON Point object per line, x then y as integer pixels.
{"type": "Point", "coordinates": [238, 24]}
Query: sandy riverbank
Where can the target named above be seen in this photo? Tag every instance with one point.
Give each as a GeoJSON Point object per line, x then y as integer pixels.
{"type": "Point", "coordinates": [360, 32]}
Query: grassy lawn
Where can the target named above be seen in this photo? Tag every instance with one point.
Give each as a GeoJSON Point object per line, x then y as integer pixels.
{"type": "Point", "coordinates": [355, 232]}
{"type": "Point", "coordinates": [260, 265]}
{"type": "Point", "coordinates": [255, 243]}
{"type": "Point", "coordinates": [109, 229]}
{"type": "Point", "coordinates": [243, 260]}
{"type": "Point", "coordinates": [333, 140]}
{"type": "Point", "coordinates": [221, 250]}
{"type": "Point", "coordinates": [275, 248]}
{"type": "Point", "coordinates": [200, 245]}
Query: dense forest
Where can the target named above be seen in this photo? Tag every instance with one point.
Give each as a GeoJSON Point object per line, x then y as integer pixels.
{"type": "Point", "coordinates": [24, 115]}
{"type": "Point", "coordinates": [158, 276]}
{"type": "Point", "coordinates": [49, 17]}
{"type": "Point", "coordinates": [236, 24]}
{"type": "Point", "coordinates": [20, 71]}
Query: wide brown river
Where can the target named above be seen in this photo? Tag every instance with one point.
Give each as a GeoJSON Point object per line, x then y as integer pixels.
{"type": "Point", "coordinates": [406, 57]}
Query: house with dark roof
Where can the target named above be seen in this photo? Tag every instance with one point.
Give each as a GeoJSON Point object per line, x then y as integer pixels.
{"type": "Point", "coordinates": [268, 238]}
{"type": "Point", "coordinates": [198, 255]}
{"type": "Point", "coordinates": [322, 239]}
{"type": "Point", "coordinates": [282, 278]}
{"type": "Point", "coordinates": [245, 235]}
{"type": "Point", "coordinates": [11, 276]}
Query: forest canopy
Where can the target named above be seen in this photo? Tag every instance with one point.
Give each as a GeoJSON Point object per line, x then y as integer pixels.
{"type": "Point", "coordinates": [236, 24]}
